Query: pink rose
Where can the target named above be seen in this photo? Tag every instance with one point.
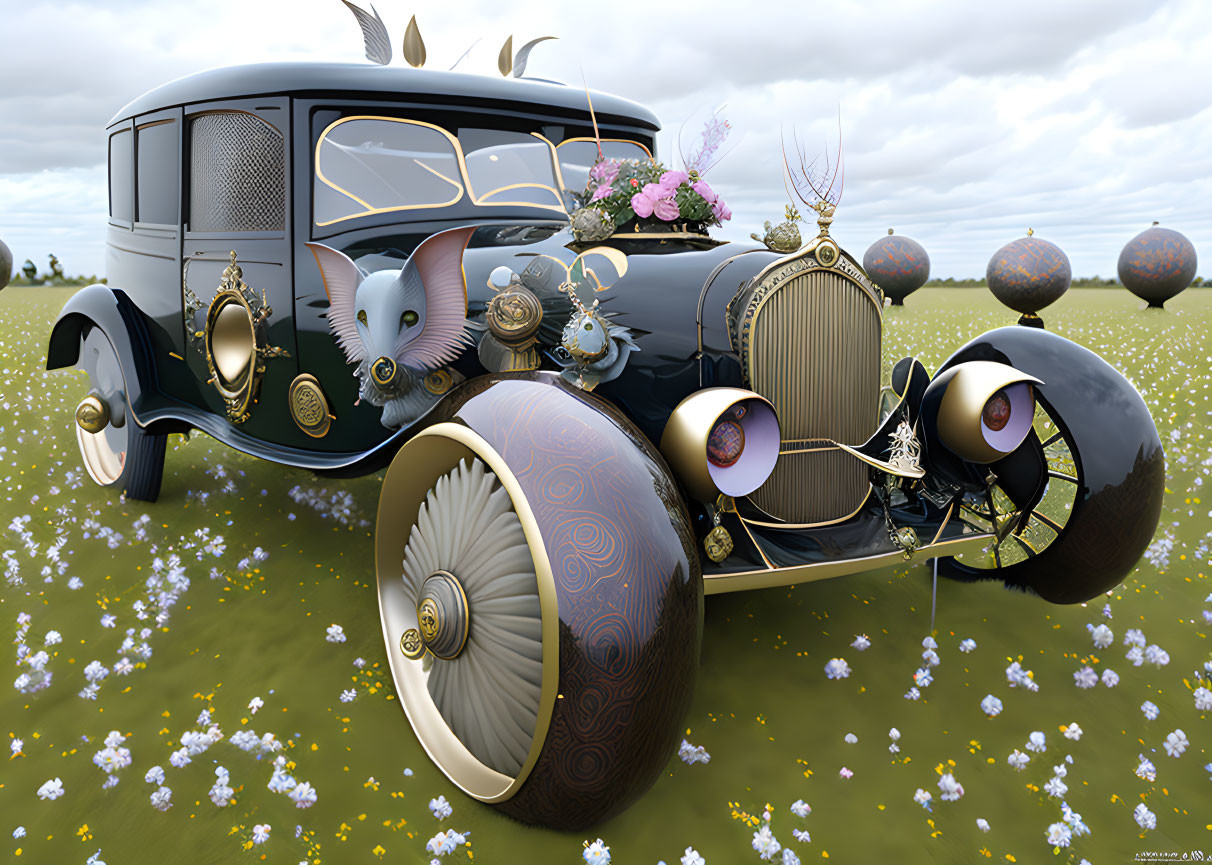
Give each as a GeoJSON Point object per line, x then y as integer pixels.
{"type": "Point", "coordinates": [654, 199]}
{"type": "Point", "coordinates": [671, 180]}
{"type": "Point", "coordinates": [602, 192]}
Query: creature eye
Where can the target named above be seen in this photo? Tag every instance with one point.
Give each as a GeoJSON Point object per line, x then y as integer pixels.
{"type": "Point", "coordinates": [409, 318]}
{"type": "Point", "coordinates": [362, 317]}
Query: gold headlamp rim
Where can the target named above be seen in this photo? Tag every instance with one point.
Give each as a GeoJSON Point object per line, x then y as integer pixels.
{"type": "Point", "coordinates": [969, 387]}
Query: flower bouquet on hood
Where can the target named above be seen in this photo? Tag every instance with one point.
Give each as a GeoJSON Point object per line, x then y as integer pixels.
{"type": "Point", "coordinates": [638, 195]}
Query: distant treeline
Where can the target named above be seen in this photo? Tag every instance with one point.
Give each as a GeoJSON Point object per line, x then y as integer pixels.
{"type": "Point", "coordinates": [1078, 282]}
{"type": "Point", "coordinates": [53, 275]}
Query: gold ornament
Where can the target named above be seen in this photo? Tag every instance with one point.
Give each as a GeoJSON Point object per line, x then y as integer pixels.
{"type": "Point", "coordinates": [718, 544]}
{"type": "Point", "coordinates": [411, 644]}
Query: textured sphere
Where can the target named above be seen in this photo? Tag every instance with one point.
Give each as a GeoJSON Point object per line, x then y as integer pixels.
{"type": "Point", "coordinates": [1028, 274]}
{"type": "Point", "coordinates": [725, 444]}
{"type": "Point", "coordinates": [898, 265]}
{"type": "Point", "coordinates": [1157, 264]}
{"type": "Point", "coordinates": [6, 264]}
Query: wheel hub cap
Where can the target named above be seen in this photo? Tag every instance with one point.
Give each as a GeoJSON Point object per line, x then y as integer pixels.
{"type": "Point", "coordinates": [92, 415]}
{"type": "Point", "coordinates": [443, 620]}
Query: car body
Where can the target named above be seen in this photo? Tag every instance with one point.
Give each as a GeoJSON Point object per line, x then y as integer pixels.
{"type": "Point", "coordinates": [344, 267]}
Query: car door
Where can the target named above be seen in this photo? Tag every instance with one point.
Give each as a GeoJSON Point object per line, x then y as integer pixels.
{"type": "Point", "coordinates": [237, 236]}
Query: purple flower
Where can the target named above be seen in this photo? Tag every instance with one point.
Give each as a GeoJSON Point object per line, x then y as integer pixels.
{"type": "Point", "coordinates": [602, 192]}
{"type": "Point", "coordinates": [671, 180]}
{"type": "Point", "coordinates": [721, 210]}
{"type": "Point", "coordinates": [654, 200]}
{"type": "Point", "coordinates": [701, 187]}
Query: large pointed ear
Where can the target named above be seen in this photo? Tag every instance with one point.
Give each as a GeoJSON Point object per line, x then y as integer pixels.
{"type": "Point", "coordinates": [438, 262]}
{"type": "Point", "coordinates": [341, 278]}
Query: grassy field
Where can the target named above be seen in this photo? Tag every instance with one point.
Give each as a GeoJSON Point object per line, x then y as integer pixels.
{"type": "Point", "coordinates": [295, 557]}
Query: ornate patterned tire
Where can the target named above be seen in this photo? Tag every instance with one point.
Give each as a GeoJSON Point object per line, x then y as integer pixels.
{"type": "Point", "coordinates": [122, 455]}
{"type": "Point", "coordinates": [541, 599]}
{"type": "Point", "coordinates": [1105, 464]}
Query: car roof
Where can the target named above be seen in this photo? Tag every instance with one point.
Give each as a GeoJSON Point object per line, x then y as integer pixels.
{"type": "Point", "coordinates": [359, 80]}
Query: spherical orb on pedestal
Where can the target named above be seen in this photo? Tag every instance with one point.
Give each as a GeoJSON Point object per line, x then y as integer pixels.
{"type": "Point", "coordinates": [1028, 274]}
{"type": "Point", "coordinates": [1157, 264]}
{"type": "Point", "coordinates": [898, 265]}
{"type": "Point", "coordinates": [6, 264]}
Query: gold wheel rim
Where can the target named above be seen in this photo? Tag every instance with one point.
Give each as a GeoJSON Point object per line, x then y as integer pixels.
{"type": "Point", "coordinates": [415, 469]}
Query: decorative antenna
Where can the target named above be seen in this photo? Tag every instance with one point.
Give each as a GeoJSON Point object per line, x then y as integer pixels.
{"type": "Point", "coordinates": [824, 184]}
{"type": "Point", "coordinates": [374, 33]}
{"type": "Point", "coordinates": [414, 45]}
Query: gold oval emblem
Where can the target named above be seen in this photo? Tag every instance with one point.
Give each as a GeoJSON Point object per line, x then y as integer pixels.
{"type": "Point", "coordinates": [411, 644]}
{"type": "Point", "coordinates": [309, 406]}
{"type": "Point", "coordinates": [826, 254]}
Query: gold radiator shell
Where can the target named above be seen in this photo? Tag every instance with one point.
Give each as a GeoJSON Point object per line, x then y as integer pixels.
{"type": "Point", "coordinates": [808, 337]}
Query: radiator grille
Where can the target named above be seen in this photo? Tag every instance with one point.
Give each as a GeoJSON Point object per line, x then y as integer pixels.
{"type": "Point", "coordinates": [813, 350]}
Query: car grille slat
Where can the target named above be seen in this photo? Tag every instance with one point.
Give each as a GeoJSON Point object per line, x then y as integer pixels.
{"type": "Point", "coordinates": [810, 343]}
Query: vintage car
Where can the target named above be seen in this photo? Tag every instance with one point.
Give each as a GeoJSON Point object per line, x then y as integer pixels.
{"type": "Point", "coordinates": [342, 268]}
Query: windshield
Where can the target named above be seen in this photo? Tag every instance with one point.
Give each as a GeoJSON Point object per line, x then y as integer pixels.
{"type": "Point", "coordinates": [367, 165]}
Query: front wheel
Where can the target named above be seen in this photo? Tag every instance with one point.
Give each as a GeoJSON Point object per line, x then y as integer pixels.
{"type": "Point", "coordinates": [540, 600]}
{"type": "Point", "coordinates": [1102, 472]}
{"type": "Point", "coordinates": [116, 452]}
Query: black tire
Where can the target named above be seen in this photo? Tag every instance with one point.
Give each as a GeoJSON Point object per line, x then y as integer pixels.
{"type": "Point", "coordinates": [123, 456]}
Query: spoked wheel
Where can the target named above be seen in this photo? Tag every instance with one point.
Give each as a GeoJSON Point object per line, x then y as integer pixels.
{"type": "Point", "coordinates": [1019, 537]}
{"type": "Point", "coordinates": [116, 452]}
{"type": "Point", "coordinates": [468, 613]}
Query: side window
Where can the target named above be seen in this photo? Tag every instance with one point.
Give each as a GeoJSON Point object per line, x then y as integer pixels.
{"type": "Point", "coordinates": [237, 174]}
{"type": "Point", "coordinates": [121, 181]}
{"type": "Point", "coordinates": [158, 189]}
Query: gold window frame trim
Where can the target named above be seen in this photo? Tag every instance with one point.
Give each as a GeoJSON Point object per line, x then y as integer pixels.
{"type": "Point", "coordinates": [464, 186]}
{"type": "Point", "coordinates": [370, 211]}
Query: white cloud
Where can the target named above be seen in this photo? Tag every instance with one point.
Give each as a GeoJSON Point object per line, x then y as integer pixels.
{"type": "Point", "coordinates": [963, 124]}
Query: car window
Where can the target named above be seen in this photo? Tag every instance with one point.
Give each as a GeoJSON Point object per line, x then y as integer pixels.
{"type": "Point", "coordinates": [237, 173]}
{"type": "Point", "coordinates": [510, 168]}
{"type": "Point", "coordinates": [158, 189]}
{"type": "Point", "coordinates": [375, 164]}
{"type": "Point", "coordinates": [577, 156]}
{"type": "Point", "coordinates": [121, 179]}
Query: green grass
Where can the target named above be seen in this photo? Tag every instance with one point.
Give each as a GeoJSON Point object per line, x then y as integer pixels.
{"type": "Point", "coordinates": [772, 722]}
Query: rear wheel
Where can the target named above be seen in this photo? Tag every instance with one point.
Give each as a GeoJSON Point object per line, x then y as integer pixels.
{"type": "Point", "coordinates": [116, 452]}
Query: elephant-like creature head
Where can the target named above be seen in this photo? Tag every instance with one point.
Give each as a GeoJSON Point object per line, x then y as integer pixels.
{"type": "Point", "coordinates": [398, 326]}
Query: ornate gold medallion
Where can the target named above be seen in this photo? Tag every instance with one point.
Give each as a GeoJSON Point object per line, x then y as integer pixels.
{"type": "Point", "coordinates": [309, 407]}
{"type": "Point", "coordinates": [718, 544]}
{"type": "Point", "coordinates": [429, 619]}
{"type": "Point", "coordinates": [411, 644]}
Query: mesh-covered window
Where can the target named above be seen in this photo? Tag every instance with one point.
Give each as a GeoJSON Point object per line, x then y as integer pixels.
{"type": "Point", "coordinates": [237, 179]}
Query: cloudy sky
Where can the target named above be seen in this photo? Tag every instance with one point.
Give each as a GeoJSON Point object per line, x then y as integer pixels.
{"type": "Point", "coordinates": [963, 123]}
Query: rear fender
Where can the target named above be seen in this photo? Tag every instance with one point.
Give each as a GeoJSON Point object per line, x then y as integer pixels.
{"type": "Point", "coordinates": [113, 311]}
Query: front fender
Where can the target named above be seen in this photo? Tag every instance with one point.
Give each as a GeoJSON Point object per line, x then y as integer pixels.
{"type": "Point", "coordinates": [628, 584]}
{"type": "Point", "coordinates": [113, 311]}
{"type": "Point", "coordinates": [1120, 462]}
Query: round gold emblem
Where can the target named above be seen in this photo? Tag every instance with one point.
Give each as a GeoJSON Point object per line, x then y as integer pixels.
{"type": "Point", "coordinates": [439, 381]}
{"type": "Point", "coordinates": [826, 253]}
{"type": "Point", "coordinates": [411, 644]}
{"type": "Point", "coordinates": [309, 406]}
{"type": "Point", "coordinates": [513, 315]}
